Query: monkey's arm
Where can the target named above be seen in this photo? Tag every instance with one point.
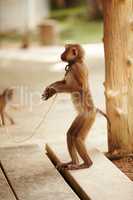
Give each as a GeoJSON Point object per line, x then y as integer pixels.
{"type": "Point", "coordinates": [62, 87]}
{"type": "Point", "coordinates": [56, 87]}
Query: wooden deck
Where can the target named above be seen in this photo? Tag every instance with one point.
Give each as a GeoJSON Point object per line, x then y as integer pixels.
{"type": "Point", "coordinates": [32, 176]}
{"type": "Point", "coordinates": [103, 180]}
{"type": "Point", "coordinates": [26, 173]}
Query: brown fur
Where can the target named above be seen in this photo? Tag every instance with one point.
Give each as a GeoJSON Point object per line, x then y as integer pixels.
{"type": "Point", "coordinates": [75, 82]}
{"type": "Point", "coordinates": [5, 97]}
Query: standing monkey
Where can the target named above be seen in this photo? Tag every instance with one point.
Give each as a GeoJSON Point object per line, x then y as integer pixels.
{"type": "Point", "coordinates": [5, 97]}
{"type": "Point", "coordinates": [75, 82]}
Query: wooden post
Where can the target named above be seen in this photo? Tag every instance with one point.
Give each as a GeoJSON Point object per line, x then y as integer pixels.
{"type": "Point", "coordinates": [118, 44]}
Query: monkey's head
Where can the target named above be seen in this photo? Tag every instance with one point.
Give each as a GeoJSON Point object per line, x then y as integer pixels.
{"type": "Point", "coordinates": [8, 94]}
{"type": "Point", "coordinates": [72, 53]}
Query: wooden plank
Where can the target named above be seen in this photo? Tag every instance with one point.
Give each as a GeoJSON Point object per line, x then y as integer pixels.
{"type": "Point", "coordinates": [5, 190]}
{"type": "Point", "coordinates": [33, 176]}
{"type": "Point", "coordinates": [103, 180]}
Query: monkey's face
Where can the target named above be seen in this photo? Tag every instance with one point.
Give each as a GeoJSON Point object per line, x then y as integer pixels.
{"type": "Point", "coordinates": [70, 53]}
{"type": "Point", "coordinates": [8, 93]}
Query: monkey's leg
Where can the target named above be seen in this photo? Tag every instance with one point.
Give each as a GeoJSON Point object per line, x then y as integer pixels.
{"type": "Point", "coordinates": [2, 119]}
{"type": "Point", "coordinates": [9, 118]}
{"type": "Point", "coordinates": [75, 127]}
{"type": "Point", "coordinates": [72, 149]}
{"type": "Point", "coordinates": [80, 142]}
{"type": "Point", "coordinates": [81, 148]}
{"type": "Point", "coordinates": [72, 152]}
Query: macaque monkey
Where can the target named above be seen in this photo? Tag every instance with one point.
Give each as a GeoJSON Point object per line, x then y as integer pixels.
{"type": "Point", "coordinates": [5, 97]}
{"type": "Point", "coordinates": [75, 82]}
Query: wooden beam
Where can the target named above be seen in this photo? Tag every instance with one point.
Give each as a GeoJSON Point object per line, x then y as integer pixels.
{"type": "Point", "coordinates": [33, 176]}
{"type": "Point", "coordinates": [5, 190]}
{"type": "Point", "coordinates": [67, 175]}
{"type": "Point", "coordinates": [103, 180]}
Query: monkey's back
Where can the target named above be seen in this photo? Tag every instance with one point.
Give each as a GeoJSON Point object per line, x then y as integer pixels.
{"type": "Point", "coordinates": [2, 103]}
{"type": "Point", "coordinates": [83, 100]}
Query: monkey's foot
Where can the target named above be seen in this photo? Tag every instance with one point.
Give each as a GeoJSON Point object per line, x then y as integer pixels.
{"type": "Point", "coordinates": [75, 166]}
{"type": "Point", "coordinates": [60, 166]}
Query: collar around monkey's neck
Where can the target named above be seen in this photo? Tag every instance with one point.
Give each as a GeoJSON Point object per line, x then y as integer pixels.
{"type": "Point", "coordinates": [72, 62]}
{"type": "Point", "coordinates": [69, 65]}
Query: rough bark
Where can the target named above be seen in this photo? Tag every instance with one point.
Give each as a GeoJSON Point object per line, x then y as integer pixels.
{"type": "Point", "coordinates": [118, 44]}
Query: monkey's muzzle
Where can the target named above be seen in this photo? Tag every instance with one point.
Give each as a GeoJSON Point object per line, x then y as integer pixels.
{"type": "Point", "coordinates": [63, 57]}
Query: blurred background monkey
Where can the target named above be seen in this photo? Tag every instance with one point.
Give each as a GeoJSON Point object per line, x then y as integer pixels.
{"type": "Point", "coordinates": [5, 97]}
{"type": "Point", "coordinates": [76, 83]}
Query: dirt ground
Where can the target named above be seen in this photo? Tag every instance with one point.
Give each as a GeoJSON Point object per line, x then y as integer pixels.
{"type": "Point", "coordinates": [126, 166]}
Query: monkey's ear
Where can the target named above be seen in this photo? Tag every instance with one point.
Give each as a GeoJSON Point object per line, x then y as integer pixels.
{"type": "Point", "coordinates": [75, 51]}
{"type": "Point", "coordinates": [5, 91]}
{"type": "Point", "coordinates": [10, 94]}
{"type": "Point", "coordinates": [67, 46]}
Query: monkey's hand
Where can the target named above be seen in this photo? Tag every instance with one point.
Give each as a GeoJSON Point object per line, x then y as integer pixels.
{"type": "Point", "coordinates": [48, 92]}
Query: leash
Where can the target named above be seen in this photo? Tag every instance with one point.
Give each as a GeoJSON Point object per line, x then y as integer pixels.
{"type": "Point", "coordinates": [67, 69]}
{"type": "Point", "coordinates": [40, 123]}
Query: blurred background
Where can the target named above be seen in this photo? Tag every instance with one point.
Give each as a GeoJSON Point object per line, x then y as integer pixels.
{"type": "Point", "coordinates": [34, 22]}
{"type": "Point", "coordinates": [32, 36]}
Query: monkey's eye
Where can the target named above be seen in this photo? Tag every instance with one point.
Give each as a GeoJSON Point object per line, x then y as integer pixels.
{"type": "Point", "coordinates": [74, 52]}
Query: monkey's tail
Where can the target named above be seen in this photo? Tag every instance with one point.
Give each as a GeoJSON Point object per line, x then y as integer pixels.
{"type": "Point", "coordinates": [105, 115]}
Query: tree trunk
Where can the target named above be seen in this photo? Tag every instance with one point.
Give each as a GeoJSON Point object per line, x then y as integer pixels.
{"type": "Point", "coordinates": [118, 44]}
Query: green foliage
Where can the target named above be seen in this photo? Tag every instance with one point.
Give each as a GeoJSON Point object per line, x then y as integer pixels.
{"type": "Point", "coordinates": [10, 37]}
{"type": "Point", "coordinates": [64, 13]}
{"type": "Point", "coordinates": [15, 37]}
{"type": "Point", "coordinates": [80, 31]}
{"type": "Point", "coordinates": [76, 27]}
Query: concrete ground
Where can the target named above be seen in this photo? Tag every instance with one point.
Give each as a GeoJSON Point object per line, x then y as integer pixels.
{"type": "Point", "coordinates": [28, 72]}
